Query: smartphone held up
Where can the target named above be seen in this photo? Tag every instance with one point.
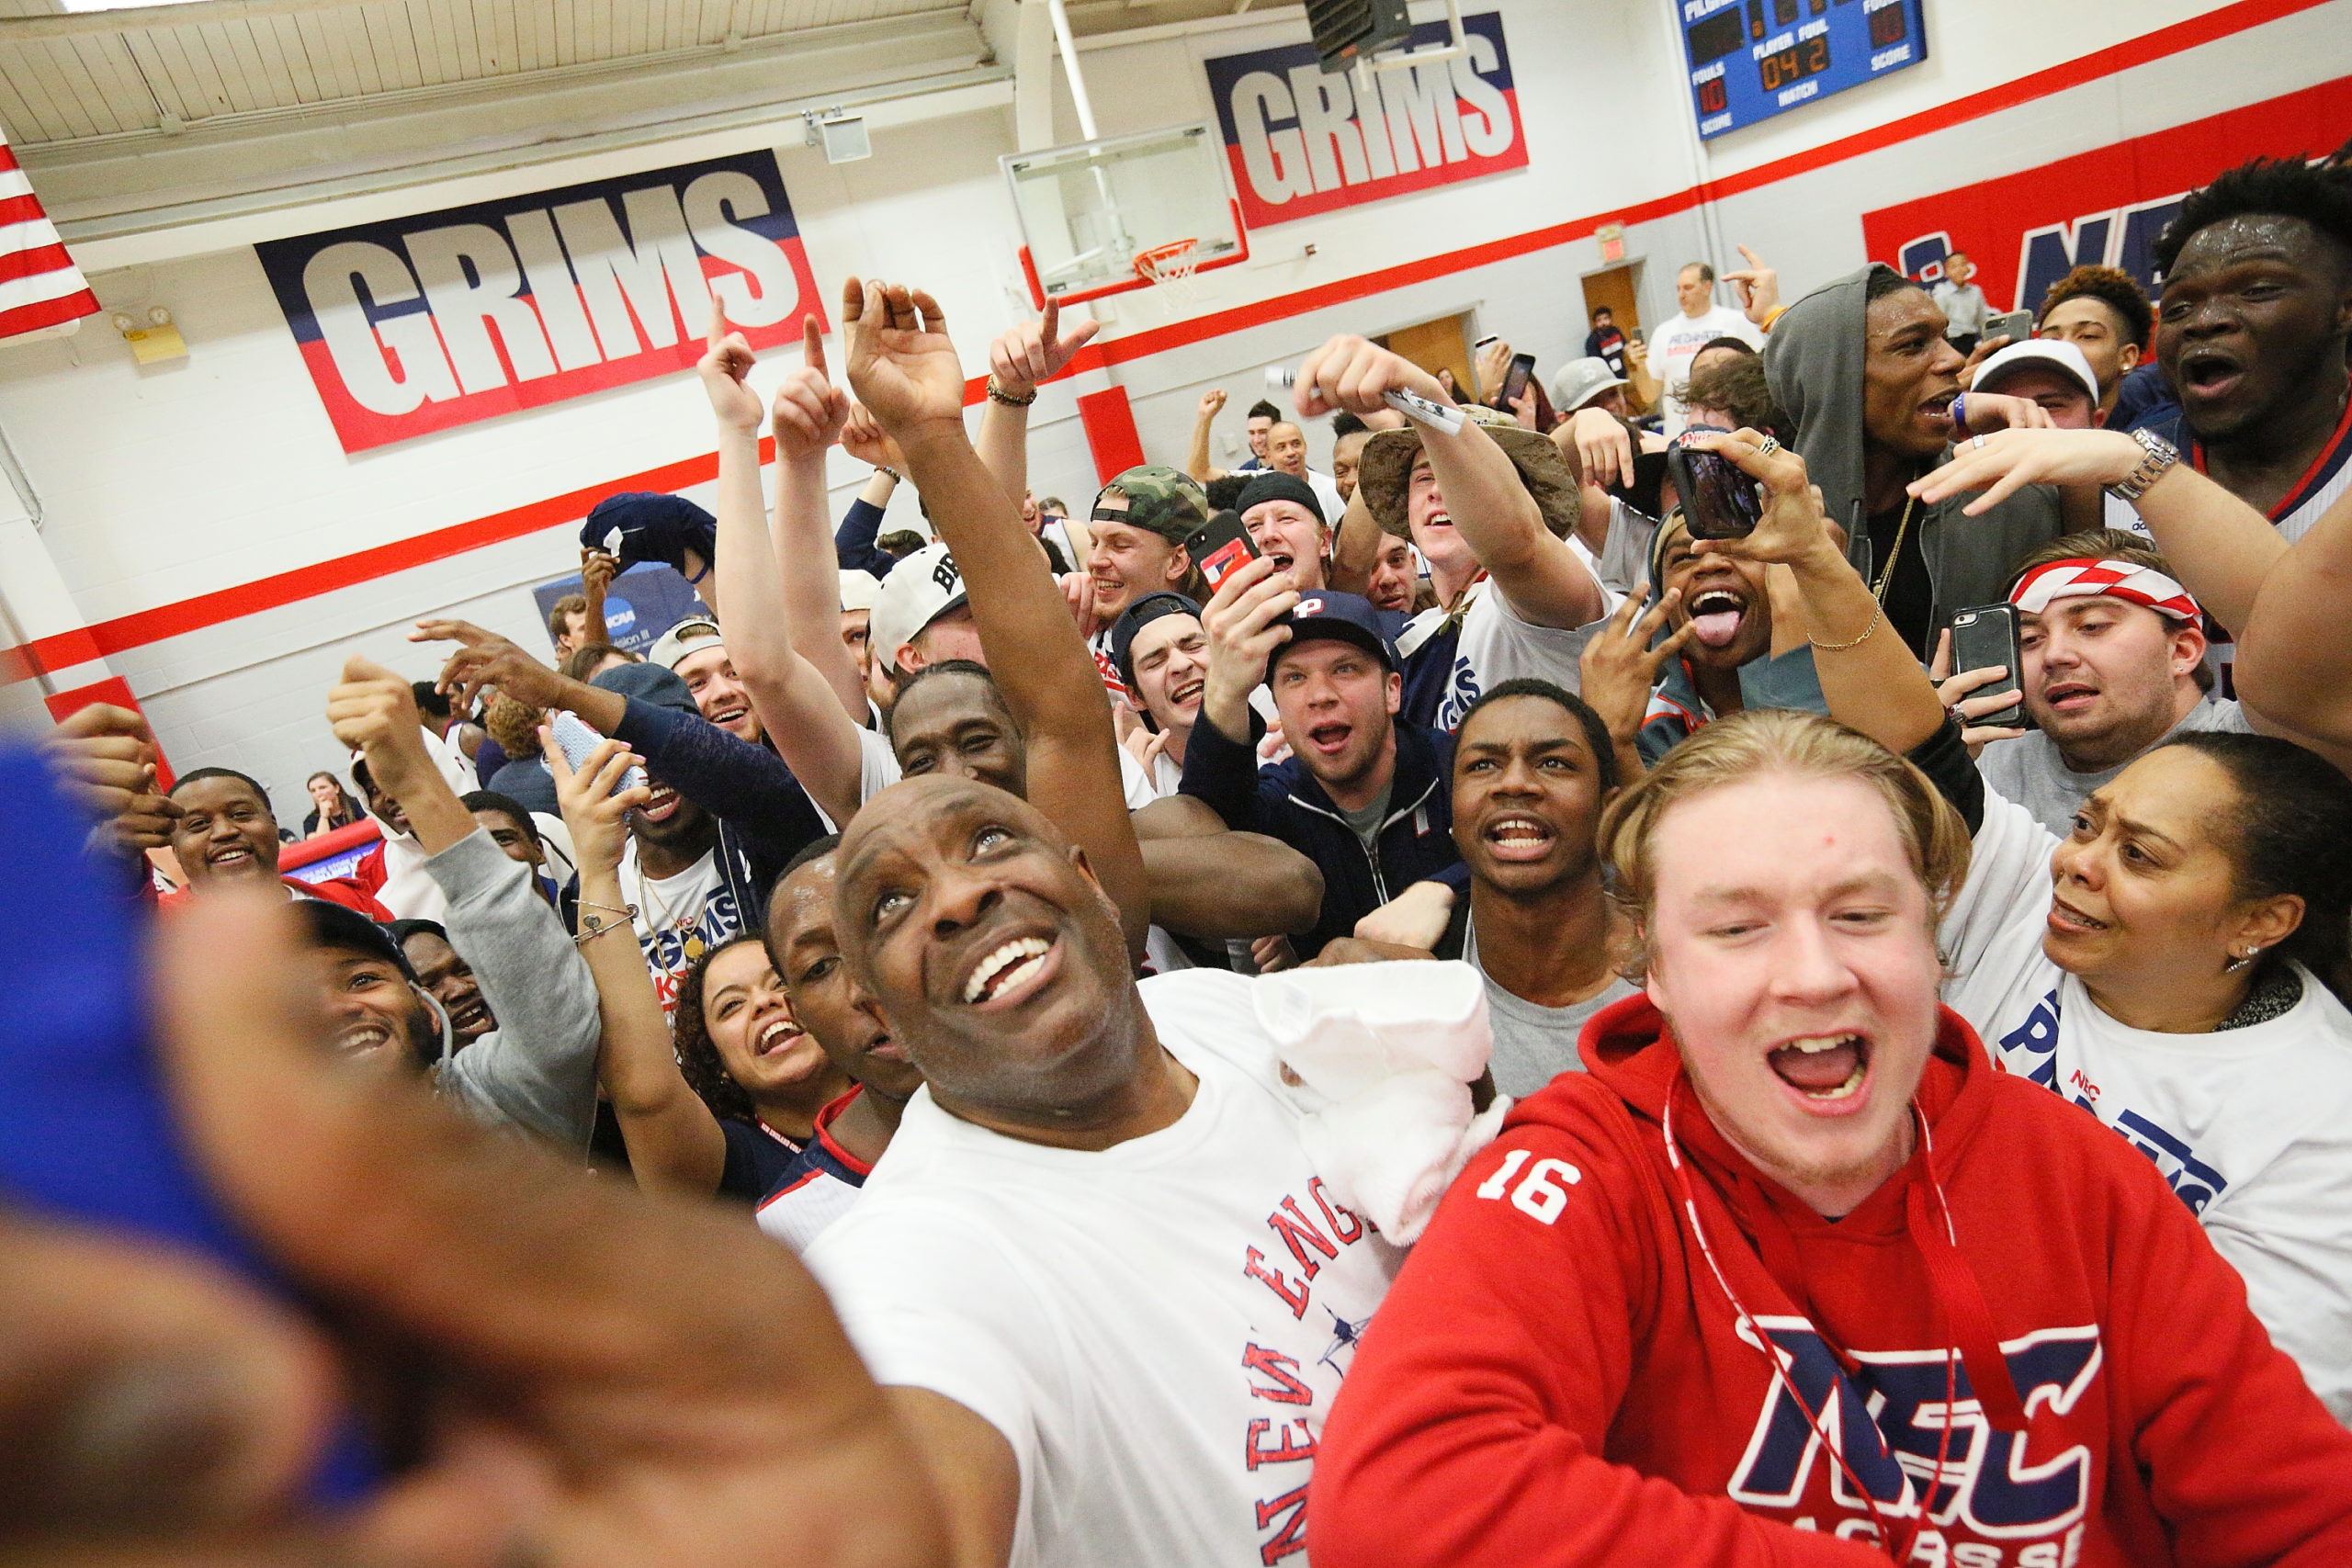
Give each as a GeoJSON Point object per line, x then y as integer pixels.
{"type": "Point", "coordinates": [1719, 500]}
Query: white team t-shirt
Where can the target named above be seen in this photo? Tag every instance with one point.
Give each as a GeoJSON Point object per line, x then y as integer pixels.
{"type": "Point", "coordinates": [1157, 1329]}
{"type": "Point", "coordinates": [1498, 645]}
{"type": "Point", "coordinates": [1675, 345]}
{"type": "Point", "coordinates": [2252, 1126]}
{"type": "Point", "coordinates": [678, 917]}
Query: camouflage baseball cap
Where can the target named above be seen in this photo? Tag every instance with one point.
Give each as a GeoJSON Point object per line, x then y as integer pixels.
{"type": "Point", "coordinates": [1167, 501]}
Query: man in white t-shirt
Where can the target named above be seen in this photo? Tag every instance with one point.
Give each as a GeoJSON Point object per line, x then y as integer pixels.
{"type": "Point", "coordinates": [1286, 453]}
{"type": "Point", "coordinates": [1097, 1273]}
{"type": "Point", "coordinates": [1676, 343]}
{"type": "Point", "coordinates": [1516, 594]}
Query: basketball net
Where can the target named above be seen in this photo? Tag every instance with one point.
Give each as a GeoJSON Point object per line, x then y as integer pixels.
{"type": "Point", "coordinates": [1173, 268]}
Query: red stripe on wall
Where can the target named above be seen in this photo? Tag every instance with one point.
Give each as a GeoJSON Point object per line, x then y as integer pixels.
{"type": "Point", "coordinates": [1110, 434]}
{"type": "Point", "coordinates": [144, 626]}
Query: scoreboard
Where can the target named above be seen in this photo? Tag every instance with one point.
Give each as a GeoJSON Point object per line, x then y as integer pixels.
{"type": "Point", "coordinates": [1753, 58]}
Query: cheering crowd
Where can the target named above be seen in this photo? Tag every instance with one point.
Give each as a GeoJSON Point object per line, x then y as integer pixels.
{"type": "Point", "coordinates": [1452, 1010]}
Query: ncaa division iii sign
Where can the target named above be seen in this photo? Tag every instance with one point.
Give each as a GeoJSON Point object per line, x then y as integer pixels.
{"type": "Point", "coordinates": [1303, 141]}
{"type": "Point", "coordinates": [421, 323]}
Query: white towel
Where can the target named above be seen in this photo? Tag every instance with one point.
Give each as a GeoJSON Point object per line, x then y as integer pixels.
{"type": "Point", "coordinates": [1388, 1051]}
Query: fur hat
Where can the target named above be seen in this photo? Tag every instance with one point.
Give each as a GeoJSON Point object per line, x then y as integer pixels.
{"type": "Point", "coordinates": [1387, 463]}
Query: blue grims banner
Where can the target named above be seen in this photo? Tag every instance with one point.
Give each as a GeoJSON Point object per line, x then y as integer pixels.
{"type": "Point", "coordinates": [421, 323]}
{"type": "Point", "coordinates": [1750, 59]}
{"type": "Point", "coordinates": [1302, 140]}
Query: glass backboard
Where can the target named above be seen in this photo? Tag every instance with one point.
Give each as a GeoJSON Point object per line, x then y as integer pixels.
{"type": "Point", "coordinates": [1090, 209]}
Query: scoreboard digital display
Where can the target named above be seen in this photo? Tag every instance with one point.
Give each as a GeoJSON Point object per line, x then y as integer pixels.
{"type": "Point", "coordinates": [1753, 58]}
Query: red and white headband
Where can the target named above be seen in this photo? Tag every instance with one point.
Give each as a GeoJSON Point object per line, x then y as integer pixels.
{"type": "Point", "coordinates": [2085, 578]}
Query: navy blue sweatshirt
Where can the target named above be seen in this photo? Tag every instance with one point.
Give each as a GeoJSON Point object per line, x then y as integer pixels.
{"type": "Point", "coordinates": [1283, 801]}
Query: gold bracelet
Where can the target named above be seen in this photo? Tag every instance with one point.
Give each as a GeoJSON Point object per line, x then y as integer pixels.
{"type": "Point", "coordinates": [1878, 614]}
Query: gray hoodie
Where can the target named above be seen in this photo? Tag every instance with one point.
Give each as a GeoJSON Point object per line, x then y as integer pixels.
{"type": "Point", "coordinates": [538, 1069]}
{"type": "Point", "coordinates": [1814, 360]}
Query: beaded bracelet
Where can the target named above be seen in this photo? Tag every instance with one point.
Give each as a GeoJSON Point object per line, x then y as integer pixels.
{"type": "Point", "coordinates": [999, 395]}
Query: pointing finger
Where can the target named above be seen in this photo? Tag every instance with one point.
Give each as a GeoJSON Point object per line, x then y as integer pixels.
{"type": "Point", "coordinates": [812, 344]}
{"type": "Point", "coordinates": [717, 334]}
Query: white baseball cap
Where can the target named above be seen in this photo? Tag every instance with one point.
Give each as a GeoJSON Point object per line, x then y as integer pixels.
{"type": "Point", "coordinates": [2053, 351]}
{"type": "Point", "coordinates": [686, 636]}
{"type": "Point", "coordinates": [1579, 381]}
{"type": "Point", "coordinates": [859, 589]}
{"type": "Point", "coordinates": [920, 588]}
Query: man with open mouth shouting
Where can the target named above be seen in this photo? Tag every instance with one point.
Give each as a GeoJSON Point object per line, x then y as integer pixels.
{"type": "Point", "coordinates": [2251, 333]}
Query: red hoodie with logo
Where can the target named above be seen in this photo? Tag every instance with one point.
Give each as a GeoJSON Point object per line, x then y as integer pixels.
{"type": "Point", "coordinates": [1562, 1375]}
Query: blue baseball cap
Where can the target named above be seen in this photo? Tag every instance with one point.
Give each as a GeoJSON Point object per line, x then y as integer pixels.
{"type": "Point", "coordinates": [1324, 613]}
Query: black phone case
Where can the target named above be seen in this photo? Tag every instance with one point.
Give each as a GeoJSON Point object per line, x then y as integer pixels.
{"type": "Point", "coordinates": [1222, 548]}
{"type": "Point", "coordinates": [1982, 636]}
{"type": "Point", "coordinates": [1718, 499]}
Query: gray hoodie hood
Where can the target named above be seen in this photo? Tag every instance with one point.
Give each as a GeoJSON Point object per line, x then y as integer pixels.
{"type": "Point", "coordinates": [1815, 361]}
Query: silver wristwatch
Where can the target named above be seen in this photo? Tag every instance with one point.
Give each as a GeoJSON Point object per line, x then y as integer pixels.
{"type": "Point", "coordinates": [2161, 455]}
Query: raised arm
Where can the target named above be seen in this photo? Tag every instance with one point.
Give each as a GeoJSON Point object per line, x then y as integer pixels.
{"type": "Point", "coordinates": [1019, 363]}
{"type": "Point", "coordinates": [2294, 655]}
{"type": "Point", "coordinates": [2222, 548]}
{"type": "Point", "coordinates": [1538, 574]}
{"type": "Point", "coordinates": [808, 416]}
{"type": "Point", "coordinates": [1355, 546]}
{"type": "Point", "coordinates": [1197, 462]}
{"type": "Point", "coordinates": [801, 711]}
{"type": "Point", "coordinates": [905, 369]}
{"type": "Point", "coordinates": [674, 1140]}
{"type": "Point", "coordinates": [1870, 679]}
{"type": "Point", "coordinates": [1210, 882]}
{"type": "Point", "coordinates": [373, 709]}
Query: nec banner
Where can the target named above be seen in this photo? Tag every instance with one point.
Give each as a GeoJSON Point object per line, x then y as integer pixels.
{"type": "Point", "coordinates": [452, 317]}
{"type": "Point", "coordinates": [1303, 142]}
{"type": "Point", "coordinates": [2027, 231]}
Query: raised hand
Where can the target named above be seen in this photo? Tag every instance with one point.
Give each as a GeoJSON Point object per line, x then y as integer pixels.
{"type": "Point", "coordinates": [901, 365]}
{"type": "Point", "coordinates": [1035, 352]}
{"type": "Point", "coordinates": [1965, 697]}
{"type": "Point", "coordinates": [1620, 665]}
{"type": "Point", "coordinates": [1239, 619]}
{"type": "Point", "coordinates": [372, 710]}
{"type": "Point", "coordinates": [596, 807]}
{"type": "Point", "coordinates": [1213, 403]}
{"type": "Point", "coordinates": [1793, 525]}
{"type": "Point", "coordinates": [1493, 363]}
{"type": "Point", "coordinates": [864, 438]}
{"type": "Point", "coordinates": [2007, 461]}
{"type": "Point", "coordinates": [1758, 286]}
{"type": "Point", "coordinates": [485, 659]}
{"type": "Point", "coordinates": [106, 756]}
{"type": "Point", "coordinates": [1351, 373]}
{"type": "Point", "coordinates": [597, 571]}
{"type": "Point", "coordinates": [726, 365]}
{"type": "Point", "coordinates": [1604, 451]}
{"type": "Point", "coordinates": [809, 410]}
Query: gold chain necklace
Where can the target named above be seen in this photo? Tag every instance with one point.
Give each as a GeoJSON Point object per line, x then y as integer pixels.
{"type": "Point", "coordinates": [1895, 556]}
{"type": "Point", "coordinates": [662, 919]}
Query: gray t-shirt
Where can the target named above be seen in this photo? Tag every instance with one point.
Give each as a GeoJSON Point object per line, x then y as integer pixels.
{"type": "Point", "coordinates": [2029, 770]}
{"type": "Point", "coordinates": [1533, 1044]}
{"type": "Point", "coordinates": [1367, 819]}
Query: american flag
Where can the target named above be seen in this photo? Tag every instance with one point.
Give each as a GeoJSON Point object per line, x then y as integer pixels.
{"type": "Point", "coordinates": [39, 285]}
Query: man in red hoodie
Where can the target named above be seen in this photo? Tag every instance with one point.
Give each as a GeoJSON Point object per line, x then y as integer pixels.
{"type": "Point", "coordinates": [1791, 1276]}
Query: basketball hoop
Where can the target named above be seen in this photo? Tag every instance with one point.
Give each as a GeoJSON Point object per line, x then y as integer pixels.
{"type": "Point", "coordinates": [1173, 268]}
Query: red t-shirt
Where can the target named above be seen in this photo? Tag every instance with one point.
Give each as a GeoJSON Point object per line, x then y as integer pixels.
{"type": "Point", "coordinates": [1560, 1377]}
